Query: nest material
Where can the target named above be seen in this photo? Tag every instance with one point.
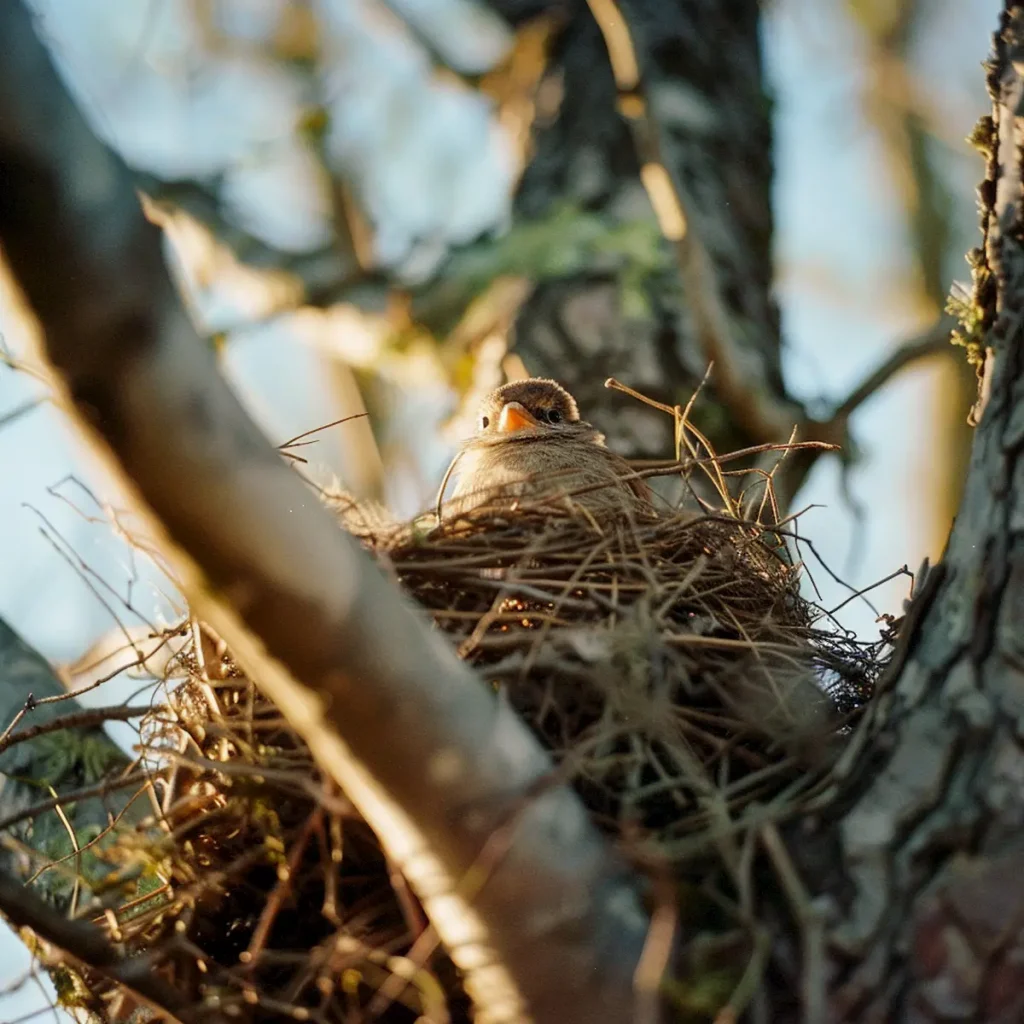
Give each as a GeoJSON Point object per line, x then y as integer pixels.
{"type": "Point", "coordinates": [655, 659]}
{"type": "Point", "coordinates": [670, 666]}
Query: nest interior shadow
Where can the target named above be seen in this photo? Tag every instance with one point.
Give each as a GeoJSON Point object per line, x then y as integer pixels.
{"type": "Point", "coordinates": [681, 682]}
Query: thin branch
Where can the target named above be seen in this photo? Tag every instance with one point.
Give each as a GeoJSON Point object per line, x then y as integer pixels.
{"type": "Point", "coordinates": [429, 756]}
{"type": "Point", "coordinates": [92, 718]}
{"type": "Point", "coordinates": [934, 341]}
{"type": "Point", "coordinates": [20, 410]}
{"type": "Point", "coordinates": [293, 442]}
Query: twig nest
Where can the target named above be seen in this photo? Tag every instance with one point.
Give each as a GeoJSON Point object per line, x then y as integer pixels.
{"type": "Point", "coordinates": [669, 664]}
{"type": "Point", "coordinates": [660, 660]}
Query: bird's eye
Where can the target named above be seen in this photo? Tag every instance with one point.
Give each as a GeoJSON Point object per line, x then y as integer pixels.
{"type": "Point", "coordinates": [554, 416]}
{"type": "Point", "coordinates": [485, 422]}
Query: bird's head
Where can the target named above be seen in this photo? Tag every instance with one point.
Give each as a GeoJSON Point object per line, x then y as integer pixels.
{"type": "Point", "coordinates": [531, 409]}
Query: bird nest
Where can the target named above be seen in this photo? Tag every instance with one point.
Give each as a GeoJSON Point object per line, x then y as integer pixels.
{"type": "Point", "coordinates": [658, 661]}
{"type": "Point", "coordinates": [672, 668]}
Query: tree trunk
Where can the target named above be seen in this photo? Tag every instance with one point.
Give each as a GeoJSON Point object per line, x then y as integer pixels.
{"type": "Point", "coordinates": [919, 860]}
{"type": "Point", "coordinates": [701, 79]}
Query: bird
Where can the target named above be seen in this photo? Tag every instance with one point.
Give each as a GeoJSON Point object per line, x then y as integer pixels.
{"type": "Point", "coordinates": [531, 444]}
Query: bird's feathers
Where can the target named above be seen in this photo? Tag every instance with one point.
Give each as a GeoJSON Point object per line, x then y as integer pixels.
{"type": "Point", "coordinates": [558, 455]}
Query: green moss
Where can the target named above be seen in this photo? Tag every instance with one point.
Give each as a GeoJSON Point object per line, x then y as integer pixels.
{"type": "Point", "coordinates": [701, 998]}
{"type": "Point", "coordinates": [983, 136]}
{"type": "Point", "coordinates": [72, 991]}
{"type": "Point", "coordinates": [150, 882]}
{"type": "Point", "coordinates": [567, 242]}
{"type": "Point", "coordinates": [71, 756]}
{"type": "Point", "coordinates": [969, 313]}
{"type": "Point", "coordinates": [313, 124]}
{"type": "Point", "coordinates": [634, 297]}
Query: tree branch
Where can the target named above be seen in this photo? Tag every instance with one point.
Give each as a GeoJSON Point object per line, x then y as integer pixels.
{"type": "Point", "coordinates": [92, 718]}
{"type": "Point", "coordinates": [434, 762]}
{"type": "Point", "coordinates": [934, 341]}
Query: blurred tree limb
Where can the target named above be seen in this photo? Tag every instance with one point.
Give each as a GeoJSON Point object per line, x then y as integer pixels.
{"type": "Point", "coordinates": [86, 945]}
{"type": "Point", "coordinates": [908, 143]}
{"type": "Point", "coordinates": [932, 341]}
{"type": "Point", "coordinates": [434, 762]}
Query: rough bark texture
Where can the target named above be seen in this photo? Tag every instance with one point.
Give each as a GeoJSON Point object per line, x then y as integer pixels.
{"type": "Point", "coordinates": [929, 901]}
{"type": "Point", "coordinates": [701, 70]}
{"type": "Point", "coordinates": [435, 763]}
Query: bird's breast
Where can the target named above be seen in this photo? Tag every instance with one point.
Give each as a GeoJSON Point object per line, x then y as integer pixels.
{"type": "Point", "coordinates": [500, 474]}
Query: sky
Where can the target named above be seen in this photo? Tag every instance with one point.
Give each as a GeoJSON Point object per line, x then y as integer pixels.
{"type": "Point", "coordinates": [838, 248]}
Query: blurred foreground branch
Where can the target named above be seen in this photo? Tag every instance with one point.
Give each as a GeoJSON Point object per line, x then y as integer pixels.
{"type": "Point", "coordinates": [551, 926]}
{"type": "Point", "coordinates": [88, 946]}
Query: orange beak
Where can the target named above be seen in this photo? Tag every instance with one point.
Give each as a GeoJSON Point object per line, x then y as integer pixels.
{"type": "Point", "coordinates": [515, 417]}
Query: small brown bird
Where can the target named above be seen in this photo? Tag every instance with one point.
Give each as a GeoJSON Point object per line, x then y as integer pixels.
{"type": "Point", "coordinates": [531, 443]}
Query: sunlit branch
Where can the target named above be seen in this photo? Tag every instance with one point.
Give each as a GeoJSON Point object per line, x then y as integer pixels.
{"type": "Point", "coordinates": [546, 924]}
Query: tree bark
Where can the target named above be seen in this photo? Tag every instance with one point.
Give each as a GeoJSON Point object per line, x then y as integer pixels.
{"type": "Point", "coordinates": [433, 761]}
{"type": "Point", "coordinates": [921, 861]}
{"type": "Point", "coordinates": [701, 79]}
